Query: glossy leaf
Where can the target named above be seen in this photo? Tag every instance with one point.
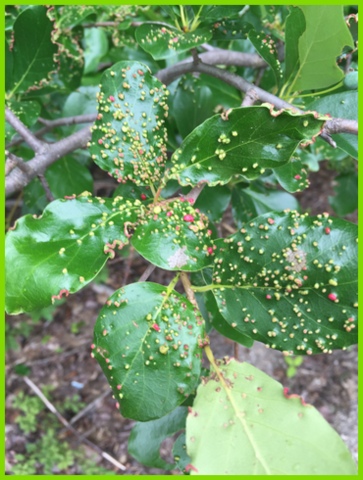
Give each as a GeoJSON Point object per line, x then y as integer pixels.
{"type": "Point", "coordinates": [345, 199]}
{"type": "Point", "coordinates": [63, 250]}
{"type": "Point", "coordinates": [249, 141]}
{"type": "Point", "coordinates": [209, 309]}
{"type": "Point", "coordinates": [213, 202]}
{"type": "Point", "coordinates": [213, 13]}
{"type": "Point", "coordinates": [196, 99]}
{"type": "Point", "coordinates": [266, 47]}
{"type": "Point", "coordinates": [165, 41]}
{"type": "Point", "coordinates": [341, 105]}
{"type": "Point", "coordinates": [248, 424]}
{"type": "Point", "coordinates": [175, 236]}
{"type": "Point", "coordinates": [290, 281]}
{"type": "Point", "coordinates": [72, 15]}
{"type": "Point", "coordinates": [325, 36]}
{"type": "Point", "coordinates": [295, 27]}
{"type": "Point", "coordinates": [129, 136]}
{"type": "Point", "coordinates": [293, 177]}
{"type": "Point", "coordinates": [228, 30]}
{"type": "Point", "coordinates": [248, 203]}
{"type": "Point", "coordinates": [148, 342]}
{"type": "Point", "coordinates": [33, 51]}
{"type": "Point", "coordinates": [65, 177]}
{"type": "Point", "coordinates": [71, 62]}
{"type": "Point", "coordinates": [146, 437]}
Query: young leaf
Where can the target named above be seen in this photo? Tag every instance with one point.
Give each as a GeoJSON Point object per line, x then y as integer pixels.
{"type": "Point", "coordinates": [175, 236]}
{"type": "Point", "coordinates": [129, 135]}
{"type": "Point", "coordinates": [290, 281]}
{"type": "Point", "coordinates": [165, 41]}
{"type": "Point", "coordinates": [244, 423]}
{"type": "Point", "coordinates": [244, 142]}
{"type": "Point", "coordinates": [146, 437]}
{"type": "Point", "coordinates": [47, 258]}
{"type": "Point", "coordinates": [148, 341]}
{"type": "Point", "coordinates": [33, 50]}
{"type": "Point", "coordinates": [341, 105]}
{"type": "Point", "coordinates": [325, 36]}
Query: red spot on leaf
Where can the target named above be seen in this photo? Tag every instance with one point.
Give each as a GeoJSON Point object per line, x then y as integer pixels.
{"type": "Point", "coordinates": [156, 327]}
{"type": "Point", "coordinates": [332, 297]}
{"type": "Point", "coordinates": [297, 177]}
{"type": "Point", "coordinates": [100, 141]}
{"type": "Point", "coordinates": [190, 467]}
{"type": "Point", "coordinates": [327, 230]}
{"type": "Point", "coordinates": [188, 218]}
{"type": "Point", "coordinates": [111, 98]}
{"type": "Point", "coordinates": [143, 196]}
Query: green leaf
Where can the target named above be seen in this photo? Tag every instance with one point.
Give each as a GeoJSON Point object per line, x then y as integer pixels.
{"type": "Point", "coordinates": [148, 341]}
{"type": "Point", "coordinates": [211, 13]}
{"type": "Point", "coordinates": [209, 309]}
{"type": "Point", "coordinates": [214, 201]}
{"type": "Point", "coordinates": [65, 178]}
{"type": "Point", "coordinates": [290, 281]}
{"type": "Point", "coordinates": [292, 177]}
{"type": "Point", "coordinates": [227, 30]}
{"type": "Point", "coordinates": [81, 102]}
{"type": "Point", "coordinates": [323, 40]}
{"type": "Point", "coordinates": [146, 437]}
{"type": "Point", "coordinates": [196, 99]}
{"type": "Point", "coordinates": [248, 203]}
{"type": "Point", "coordinates": [27, 111]}
{"type": "Point", "coordinates": [33, 50]}
{"type": "Point", "coordinates": [249, 141]}
{"type": "Point", "coordinates": [129, 136]}
{"type": "Point", "coordinates": [181, 457]}
{"type": "Point", "coordinates": [341, 105]}
{"type": "Point", "coordinates": [165, 41]}
{"type": "Point", "coordinates": [64, 249]}
{"type": "Point", "coordinates": [295, 27]}
{"type": "Point", "coordinates": [346, 194]}
{"type": "Point", "coordinates": [266, 47]}
{"type": "Point", "coordinates": [72, 15]}
{"type": "Point", "coordinates": [95, 47]}
{"type": "Point", "coordinates": [71, 62]}
{"type": "Point", "coordinates": [175, 236]}
{"type": "Point", "coordinates": [247, 424]}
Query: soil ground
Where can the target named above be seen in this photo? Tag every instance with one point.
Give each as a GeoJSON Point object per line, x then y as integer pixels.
{"type": "Point", "coordinates": [57, 353]}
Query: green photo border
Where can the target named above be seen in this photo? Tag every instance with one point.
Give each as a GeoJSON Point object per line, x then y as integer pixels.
{"type": "Point", "coordinates": [158, 2]}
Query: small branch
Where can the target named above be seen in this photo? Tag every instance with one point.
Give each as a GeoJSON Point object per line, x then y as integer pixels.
{"type": "Point", "coordinates": [23, 131]}
{"type": "Point", "coordinates": [251, 98]}
{"type": "Point", "coordinates": [14, 161]}
{"type": "Point", "coordinates": [89, 407]}
{"type": "Point", "coordinates": [196, 191]}
{"type": "Point", "coordinates": [59, 122]}
{"type": "Point", "coordinates": [17, 179]}
{"type": "Point", "coordinates": [188, 288]}
{"type": "Point", "coordinates": [149, 270]}
{"type": "Point", "coordinates": [341, 125]}
{"type": "Point", "coordinates": [46, 187]}
{"type": "Point", "coordinates": [69, 427]}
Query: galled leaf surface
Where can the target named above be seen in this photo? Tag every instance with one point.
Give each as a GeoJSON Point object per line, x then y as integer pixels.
{"type": "Point", "coordinates": [165, 41]}
{"type": "Point", "coordinates": [146, 437]}
{"type": "Point", "coordinates": [47, 258]}
{"type": "Point", "coordinates": [175, 236]}
{"type": "Point", "coordinates": [245, 142]}
{"type": "Point", "coordinates": [325, 36]}
{"type": "Point", "coordinates": [293, 177]}
{"type": "Point", "coordinates": [148, 342]}
{"type": "Point", "coordinates": [266, 47]}
{"type": "Point", "coordinates": [247, 424]}
{"type": "Point", "coordinates": [290, 281]}
{"type": "Point", "coordinates": [33, 50]}
{"type": "Point", "coordinates": [129, 135]}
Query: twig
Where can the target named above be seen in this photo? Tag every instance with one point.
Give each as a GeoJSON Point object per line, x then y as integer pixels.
{"type": "Point", "coordinates": [196, 191]}
{"type": "Point", "coordinates": [16, 180]}
{"type": "Point", "coordinates": [149, 270]}
{"type": "Point", "coordinates": [23, 131]}
{"type": "Point", "coordinates": [15, 161]}
{"type": "Point", "coordinates": [59, 122]}
{"type": "Point", "coordinates": [188, 288]}
{"type": "Point", "coordinates": [251, 97]}
{"type": "Point", "coordinates": [62, 420]}
{"type": "Point", "coordinates": [236, 350]}
{"type": "Point", "coordinates": [89, 407]}
{"type": "Point", "coordinates": [46, 187]}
